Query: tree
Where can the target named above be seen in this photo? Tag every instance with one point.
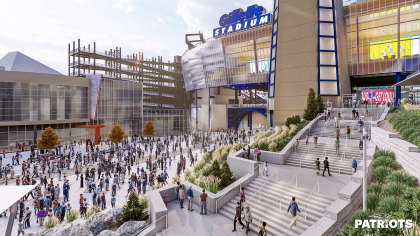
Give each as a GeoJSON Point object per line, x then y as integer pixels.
{"type": "Point", "coordinates": [311, 106]}
{"type": "Point", "coordinates": [216, 169]}
{"type": "Point", "coordinates": [320, 103]}
{"type": "Point", "coordinates": [149, 129]}
{"type": "Point", "coordinates": [227, 176]}
{"type": "Point", "coordinates": [117, 134]}
{"type": "Point", "coordinates": [49, 139]}
{"type": "Point", "coordinates": [134, 210]}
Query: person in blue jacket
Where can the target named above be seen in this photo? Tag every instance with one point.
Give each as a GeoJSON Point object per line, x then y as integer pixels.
{"type": "Point", "coordinates": [293, 208]}
{"type": "Point", "coordinates": [354, 166]}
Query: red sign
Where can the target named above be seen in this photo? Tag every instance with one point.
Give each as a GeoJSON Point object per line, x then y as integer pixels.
{"type": "Point", "coordinates": [378, 95]}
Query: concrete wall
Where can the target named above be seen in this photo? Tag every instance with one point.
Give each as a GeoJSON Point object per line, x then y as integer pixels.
{"type": "Point", "coordinates": [406, 154]}
{"type": "Point", "coordinates": [219, 116]}
{"type": "Point", "coordinates": [343, 72]}
{"type": "Point", "coordinates": [297, 58]}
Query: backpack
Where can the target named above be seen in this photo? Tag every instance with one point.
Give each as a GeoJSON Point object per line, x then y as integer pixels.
{"type": "Point", "coordinates": [260, 233]}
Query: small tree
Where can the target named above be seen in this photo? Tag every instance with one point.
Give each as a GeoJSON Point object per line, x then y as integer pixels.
{"type": "Point", "coordinates": [311, 106]}
{"type": "Point", "coordinates": [227, 175]}
{"type": "Point", "coordinates": [49, 139]}
{"type": "Point", "coordinates": [133, 210]}
{"type": "Point", "coordinates": [216, 169]}
{"type": "Point", "coordinates": [149, 129]}
{"type": "Point", "coordinates": [117, 134]}
{"type": "Point", "coordinates": [320, 104]}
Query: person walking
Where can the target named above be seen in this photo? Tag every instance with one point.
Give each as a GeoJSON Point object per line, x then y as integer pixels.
{"type": "Point", "coordinates": [177, 191]}
{"type": "Point", "coordinates": [354, 166]}
{"type": "Point", "coordinates": [165, 198]}
{"type": "Point", "coordinates": [293, 208]}
{"type": "Point", "coordinates": [337, 146]}
{"type": "Point", "coordinates": [237, 217]}
{"type": "Point", "coordinates": [242, 198]}
{"type": "Point", "coordinates": [248, 219]}
{"type": "Point", "coordinates": [337, 133]}
{"type": "Point", "coordinates": [297, 146]}
{"type": "Point", "coordinates": [263, 231]}
{"type": "Point", "coordinates": [103, 201]}
{"type": "Point", "coordinates": [203, 202]}
{"type": "Point", "coordinates": [326, 166]}
{"type": "Point", "coordinates": [181, 196]}
{"type": "Point", "coordinates": [348, 130]}
{"type": "Point", "coordinates": [318, 166]}
{"type": "Point", "coordinates": [41, 216]}
{"type": "Point", "coordinates": [265, 170]}
{"type": "Point", "coordinates": [325, 115]}
{"type": "Point", "coordinates": [256, 151]}
{"type": "Point", "coordinates": [190, 199]}
{"type": "Point", "coordinates": [353, 114]}
{"type": "Point", "coordinates": [360, 124]}
{"type": "Point", "coordinates": [361, 145]}
{"type": "Point", "coordinates": [315, 140]}
{"type": "Point", "coordinates": [336, 121]}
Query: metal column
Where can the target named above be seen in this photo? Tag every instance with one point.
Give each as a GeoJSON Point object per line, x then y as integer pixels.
{"type": "Point", "coordinates": [78, 57]}
{"type": "Point", "coordinates": [94, 58]}
{"type": "Point", "coordinates": [196, 111]}
{"type": "Point", "coordinates": [10, 223]}
{"type": "Point", "coordinates": [398, 88]}
{"type": "Point", "coordinates": [74, 48]}
{"type": "Point", "coordinates": [69, 59]}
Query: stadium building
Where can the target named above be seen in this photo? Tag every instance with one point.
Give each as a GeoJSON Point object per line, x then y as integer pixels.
{"type": "Point", "coordinates": [264, 63]}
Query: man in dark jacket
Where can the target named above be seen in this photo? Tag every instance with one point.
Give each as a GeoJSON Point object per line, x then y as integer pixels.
{"type": "Point", "coordinates": [293, 208]}
{"type": "Point", "coordinates": [237, 217]}
{"type": "Point", "coordinates": [326, 166]}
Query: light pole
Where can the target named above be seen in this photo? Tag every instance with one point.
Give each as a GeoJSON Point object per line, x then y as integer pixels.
{"type": "Point", "coordinates": [364, 170]}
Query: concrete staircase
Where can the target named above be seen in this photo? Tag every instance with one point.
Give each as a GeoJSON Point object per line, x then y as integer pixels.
{"type": "Point", "coordinates": [326, 129]}
{"type": "Point", "coordinates": [308, 160]}
{"type": "Point", "coordinates": [277, 220]}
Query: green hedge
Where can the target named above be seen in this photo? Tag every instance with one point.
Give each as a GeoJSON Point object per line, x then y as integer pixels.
{"type": "Point", "coordinates": [407, 124]}
{"type": "Point", "coordinates": [392, 192]}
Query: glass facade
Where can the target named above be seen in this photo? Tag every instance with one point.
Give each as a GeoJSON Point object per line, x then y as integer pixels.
{"type": "Point", "coordinates": [168, 121]}
{"type": "Point", "coordinates": [382, 36]}
{"type": "Point", "coordinates": [42, 102]}
{"type": "Point", "coordinates": [238, 58]}
{"type": "Point", "coordinates": [120, 102]}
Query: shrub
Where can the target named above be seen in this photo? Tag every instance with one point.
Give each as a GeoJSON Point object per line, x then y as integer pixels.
{"type": "Point", "coordinates": [263, 146]}
{"type": "Point", "coordinates": [410, 204]}
{"type": "Point", "coordinates": [393, 189]}
{"type": "Point", "coordinates": [92, 210]}
{"type": "Point", "coordinates": [133, 210]}
{"type": "Point", "coordinates": [216, 169]}
{"type": "Point", "coordinates": [51, 222]}
{"type": "Point", "coordinates": [385, 162]}
{"type": "Point", "coordinates": [384, 153]}
{"type": "Point", "coordinates": [176, 179]}
{"type": "Point", "coordinates": [359, 215]}
{"type": "Point", "coordinates": [293, 120]}
{"type": "Point", "coordinates": [402, 178]}
{"type": "Point", "coordinates": [389, 205]}
{"type": "Point", "coordinates": [393, 109]}
{"type": "Point", "coordinates": [207, 170]}
{"type": "Point", "coordinates": [227, 175]}
{"type": "Point", "coordinates": [380, 174]}
{"type": "Point", "coordinates": [372, 201]}
{"type": "Point", "coordinates": [375, 188]}
{"type": "Point", "coordinates": [72, 216]}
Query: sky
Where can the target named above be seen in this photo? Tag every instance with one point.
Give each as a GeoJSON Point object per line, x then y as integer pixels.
{"type": "Point", "coordinates": [42, 29]}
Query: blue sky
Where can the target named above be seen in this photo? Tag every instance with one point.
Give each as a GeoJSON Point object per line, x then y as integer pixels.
{"type": "Point", "coordinates": [42, 29]}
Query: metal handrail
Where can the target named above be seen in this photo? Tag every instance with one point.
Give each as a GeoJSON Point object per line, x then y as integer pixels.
{"type": "Point", "coordinates": [164, 231]}
{"type": "Point", "coordinates": [307, 200]}
{"type": "Point", "coordinates": [325, 149]}
{"type": "Point", "coordinates": [240, 185]}
{"type": "Point", "coordinates": [279, 200]}
{"type": "Point", "coordinates": [287, 188]}
{"type": "Point", "coordinates": [307, 149]}
{"type": "Point", "coordinates": [326, 127]}
{"type": "Point", "coordinates": [166, 226]}
{"type": "Point", "coordinates": [258, 190]}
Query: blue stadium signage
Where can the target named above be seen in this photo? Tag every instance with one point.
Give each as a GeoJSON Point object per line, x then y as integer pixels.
{"type": "Point", "coordinates": [239, 19]}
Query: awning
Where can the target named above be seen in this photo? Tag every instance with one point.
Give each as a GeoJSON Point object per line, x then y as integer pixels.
{"type": "Point", "coordinates": [411, 80]}
{"type": "Point", "coordinates": [12, 194]}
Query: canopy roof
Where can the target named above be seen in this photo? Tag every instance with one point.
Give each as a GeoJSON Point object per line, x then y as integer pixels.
{"type": "Point", "coordinates": [12, 194]}
{"type": "Point", "coordinates": [411, 80]}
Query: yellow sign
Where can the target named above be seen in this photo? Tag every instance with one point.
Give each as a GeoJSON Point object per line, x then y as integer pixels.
{"type": "Point", "coordinates": [388, 49]}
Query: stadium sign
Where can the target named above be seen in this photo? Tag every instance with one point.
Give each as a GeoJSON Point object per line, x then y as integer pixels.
{"type": "Point", "coordinates": [239, 19]}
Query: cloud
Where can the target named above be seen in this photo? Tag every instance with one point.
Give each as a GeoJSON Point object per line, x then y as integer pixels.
{"type": "Point", "coordinates": [160, 19]}
{"type": "Point", "coordinates": [125, 5]}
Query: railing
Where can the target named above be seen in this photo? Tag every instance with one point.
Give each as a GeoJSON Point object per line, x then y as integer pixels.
{"type": "Point", "coordinates": [247, 105]}
{"type": "Point", "coordinates": [166, 230]}
{"type": "Point", "coordinates": [262, 185]}
{"type": "Point", "coordinates": [301, 156]}
{"type": "Point", "coordinates": [326, 127]}
{"type": "Point", "coordinates": [326, 144]}
{"type": "Point", "coordinates": [307, 200]}
{"type": "Point", "coordinates": [240, 185]}
{"type": "Point", "coordinates": [281, 195]}
{"type": "Point", "coordinates": [154, 223]}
